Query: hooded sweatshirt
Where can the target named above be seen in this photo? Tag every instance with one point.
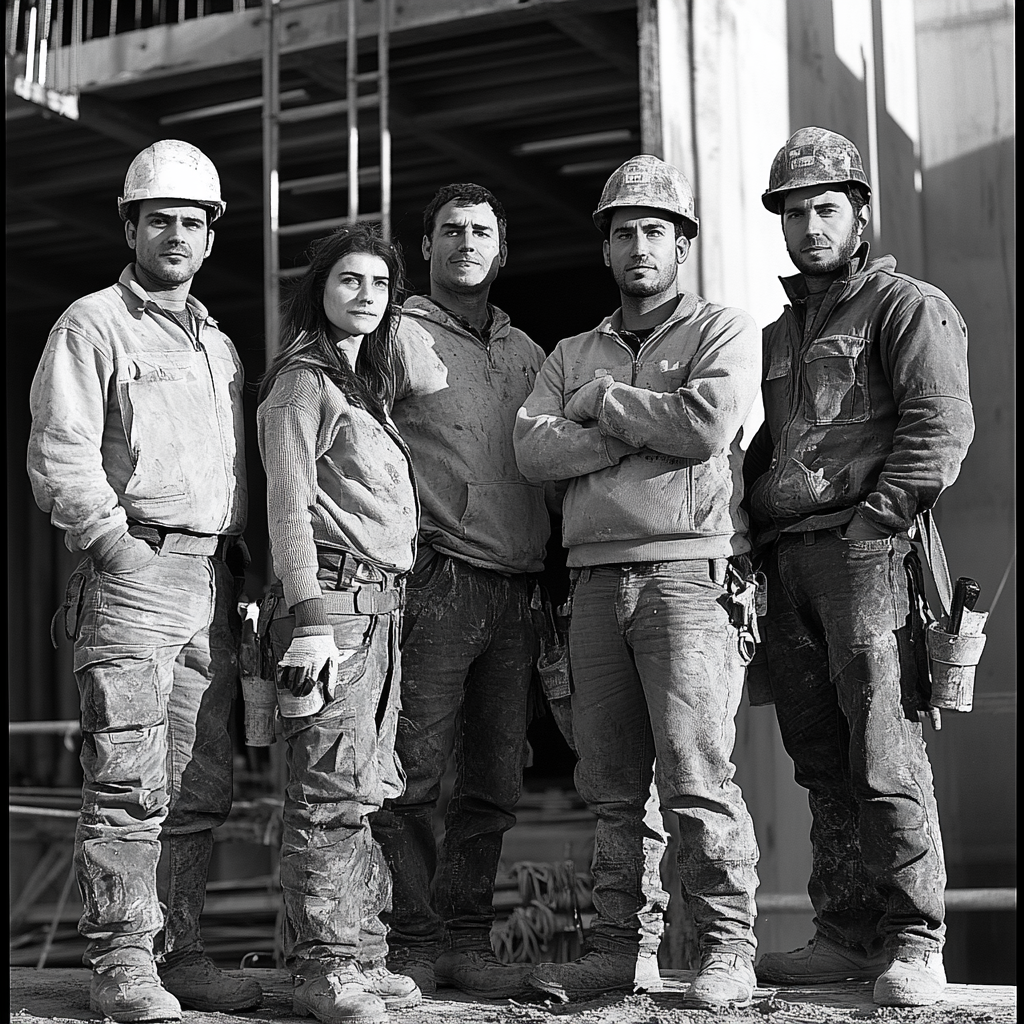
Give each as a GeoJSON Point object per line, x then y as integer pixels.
{"type": "Point", "coordinates": [455, 407]}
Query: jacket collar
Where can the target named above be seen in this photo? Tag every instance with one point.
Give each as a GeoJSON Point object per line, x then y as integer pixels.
{"type": "Point", "coordinates": [138, 300]}
{"type": "Point", "coordinates": [859, 265]}
{"type": "Point", "coordinates": [425, 308]}
{"type": "Point", "coordinates": [685, 308]}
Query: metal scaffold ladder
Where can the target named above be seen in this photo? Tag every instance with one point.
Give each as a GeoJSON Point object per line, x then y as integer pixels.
{"type": "Point", "coordinates": [274, 117]}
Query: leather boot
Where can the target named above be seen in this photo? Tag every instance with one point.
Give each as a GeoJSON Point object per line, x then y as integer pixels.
{"type": "Point", "coordinates": [725, 981]}
{"type": "Point", "coordinates": [200, 985]}
{"type": "Point", "coordinates": [337, 997]}
{"type": "Point", "coordinates": [131, 993]}
{"type": "Point", "coordinates": [820, 962]}
{"type": "Point", "coordinates": [596, 973]}
{"type": "Point", "coordinates": [911, 980]}
{"type": "Point", "coordinates": [479, 973]}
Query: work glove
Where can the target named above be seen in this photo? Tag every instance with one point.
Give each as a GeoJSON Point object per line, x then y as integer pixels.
{"type": "Point", "coordinates": [309, 658]}
{"type": "Point", "coordinates": [586, 403]}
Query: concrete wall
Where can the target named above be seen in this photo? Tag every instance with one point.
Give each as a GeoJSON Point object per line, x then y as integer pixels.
{"type": "Point", "coordinates": [965, 61]}
{"type": "Point", "coordinates": [924, 88]}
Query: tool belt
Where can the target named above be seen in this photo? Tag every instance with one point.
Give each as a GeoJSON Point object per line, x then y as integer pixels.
{"type": "Point", "coordinates": [946, 661]}
{"type": "Point", "coordinates": [182, 542]}
{"type": "Point", "coordinates": [353, 586]}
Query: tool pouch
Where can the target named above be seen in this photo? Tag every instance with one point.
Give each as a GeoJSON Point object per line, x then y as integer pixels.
{"type": "Point", "coordinates": [746, 591]}
{"type": "Point", "coordinates": [70, 612]}
{"type": "Point", "coordinates": [946, 661]}
{"type": "Point", "coordinates": [256, 666]}
{"type": "Point", "coordinates": [553, 661]}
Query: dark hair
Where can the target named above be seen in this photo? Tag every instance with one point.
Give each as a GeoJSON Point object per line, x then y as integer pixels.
{"type": "Point", "coordinates": [465, 194]}
{"type": "Point", "coordinates": [857, 194]}
{"type": "Point", "coordinates": [372, 384]}
{"type": "Point", "coordinates": [131, 212]}
{"type": "Point", "coordinates": [678, 223]}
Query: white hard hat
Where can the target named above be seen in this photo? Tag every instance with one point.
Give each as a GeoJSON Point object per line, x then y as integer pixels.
{"type": "Point", "coordinates": [172, 169]}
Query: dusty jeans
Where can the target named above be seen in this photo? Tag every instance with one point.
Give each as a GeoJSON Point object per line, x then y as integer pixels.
{"type": "Point", "coordinates": [658, 674]}
{"type": "Point", "coordinates": [341, 766]}
{"type": "Point", "coordinates": [468, 651]}
{"type": "Point", "coordinates": [845, 683]}
{"type": "Point", "coordinates": [156, 666]}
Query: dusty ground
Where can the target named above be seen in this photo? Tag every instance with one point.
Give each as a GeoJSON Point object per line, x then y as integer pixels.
{"type": "Point", "coordinates": [58, 994]}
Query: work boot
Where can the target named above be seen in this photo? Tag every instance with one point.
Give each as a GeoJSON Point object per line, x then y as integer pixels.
{"type": "Point", "coordinates": [337, 997]}
{"type": "Point", "coordinates": [131, 992]}
{"type": "Point", "coordinates": [820, 962]}
{"type": "Point", "coordinates": [397, 990]}
{"type": "Point", "coordinates": [725, 981]}
{"type": "Point", "coordinates": [596, 973]}
{"type": "Point", "coordinates": [911, 980]}
{"type": "Point", "coordinates": [479, 973]}
{"type": "Point", "coordinates": [200, 985]}
{"type": "Point", "coordinates": [414, 963]}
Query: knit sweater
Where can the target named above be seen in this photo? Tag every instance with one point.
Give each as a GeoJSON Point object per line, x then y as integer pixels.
{"type": "Point", "coordinates": [337, 479]}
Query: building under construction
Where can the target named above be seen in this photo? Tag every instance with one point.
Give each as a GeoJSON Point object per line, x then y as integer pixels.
{"type": "Point", "coordinates": [318, 112]}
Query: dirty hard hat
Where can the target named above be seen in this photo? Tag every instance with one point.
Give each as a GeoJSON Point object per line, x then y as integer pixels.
{"type": "Point", "coordinates": [172, 169]}
{"type": "Point", "coordinates": [813, 156]}
{"type": "Point", "coordinates": [647, 181]}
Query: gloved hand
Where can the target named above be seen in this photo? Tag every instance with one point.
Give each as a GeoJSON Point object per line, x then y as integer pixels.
{"type": "Point", "coordinates": [308, 658]}
{"type": "Point", "coordinates": [586, 403]}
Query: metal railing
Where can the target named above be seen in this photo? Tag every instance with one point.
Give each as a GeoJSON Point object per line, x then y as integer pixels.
{"type": "Point", "coordinates": [47, 35]}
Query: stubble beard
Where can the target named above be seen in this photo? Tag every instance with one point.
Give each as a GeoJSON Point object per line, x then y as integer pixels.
{"type": "Point", "coordinates": [842, 257]}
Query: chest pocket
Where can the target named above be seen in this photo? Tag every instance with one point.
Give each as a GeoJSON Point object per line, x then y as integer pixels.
{"type": "Point", "coordinates": [835, 381]}
{"type": "Point", "coordinates": [166, 409]}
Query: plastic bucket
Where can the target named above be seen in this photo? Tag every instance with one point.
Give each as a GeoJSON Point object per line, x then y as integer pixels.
{"type": "Point", "coordinates": [953, 659]}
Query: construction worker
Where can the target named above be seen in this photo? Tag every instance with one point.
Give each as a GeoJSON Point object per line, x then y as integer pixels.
{"type": "Point", "coordinates": [342, 511]}
{"type": "Point", "coordinates": [468, 645]}
{"type": "Point", "coordinates": [136, 451]}
{"type": "Point", "coordinates": [642, 417]}
{"type": "Point", "coordinates": [868, 418]}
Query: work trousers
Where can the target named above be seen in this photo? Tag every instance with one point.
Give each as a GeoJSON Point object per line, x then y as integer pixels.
{"type": "Point", "coordinates": [844, 678]}
{"type": "Point", "coordinates": [156, 665]}
{"type": "Point", "coordinates": [658, 673]}
{"type": "Point", "coordinates": [468, 652]}
{"type": "Point", "coordinates": [341, 766]}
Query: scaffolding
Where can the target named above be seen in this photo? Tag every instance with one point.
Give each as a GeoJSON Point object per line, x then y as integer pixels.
{"type": "Point", "coordinates": [274, 118]}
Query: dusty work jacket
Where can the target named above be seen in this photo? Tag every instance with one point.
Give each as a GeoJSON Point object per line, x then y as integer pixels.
{"type": "Point", "coordinates": [337, 478]}
{"type": "Point", "coordinates": [132, 418]}
{"type": "Point", "coordinates": [679, 404]}
{"type": "Point", "coordinates": [455, 407]}
{"type": "Point", "coordinates": [868, 410]}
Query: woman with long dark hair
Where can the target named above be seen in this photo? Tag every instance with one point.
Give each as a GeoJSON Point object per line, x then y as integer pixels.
{"type": "Point", "coordinates": [342, 511]}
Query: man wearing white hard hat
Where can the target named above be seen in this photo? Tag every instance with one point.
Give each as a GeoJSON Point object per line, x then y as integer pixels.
{"type": "Point", "coordinates": [641, 416]}
{"type": "Point", "coordinates": [136, 452]}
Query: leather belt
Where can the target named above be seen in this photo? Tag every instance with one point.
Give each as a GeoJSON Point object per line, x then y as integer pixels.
{"type": "Point", "coordinates": [364, 601]}
{"type": "Point", "coordinates": [182, 542]}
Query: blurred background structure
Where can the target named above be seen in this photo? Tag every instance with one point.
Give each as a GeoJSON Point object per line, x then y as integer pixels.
{"type": "Point", "coordinates": [539, 100]}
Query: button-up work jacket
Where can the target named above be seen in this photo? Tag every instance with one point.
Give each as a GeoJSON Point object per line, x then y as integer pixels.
{"type": "Point", "coordinates": [133, 419]}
